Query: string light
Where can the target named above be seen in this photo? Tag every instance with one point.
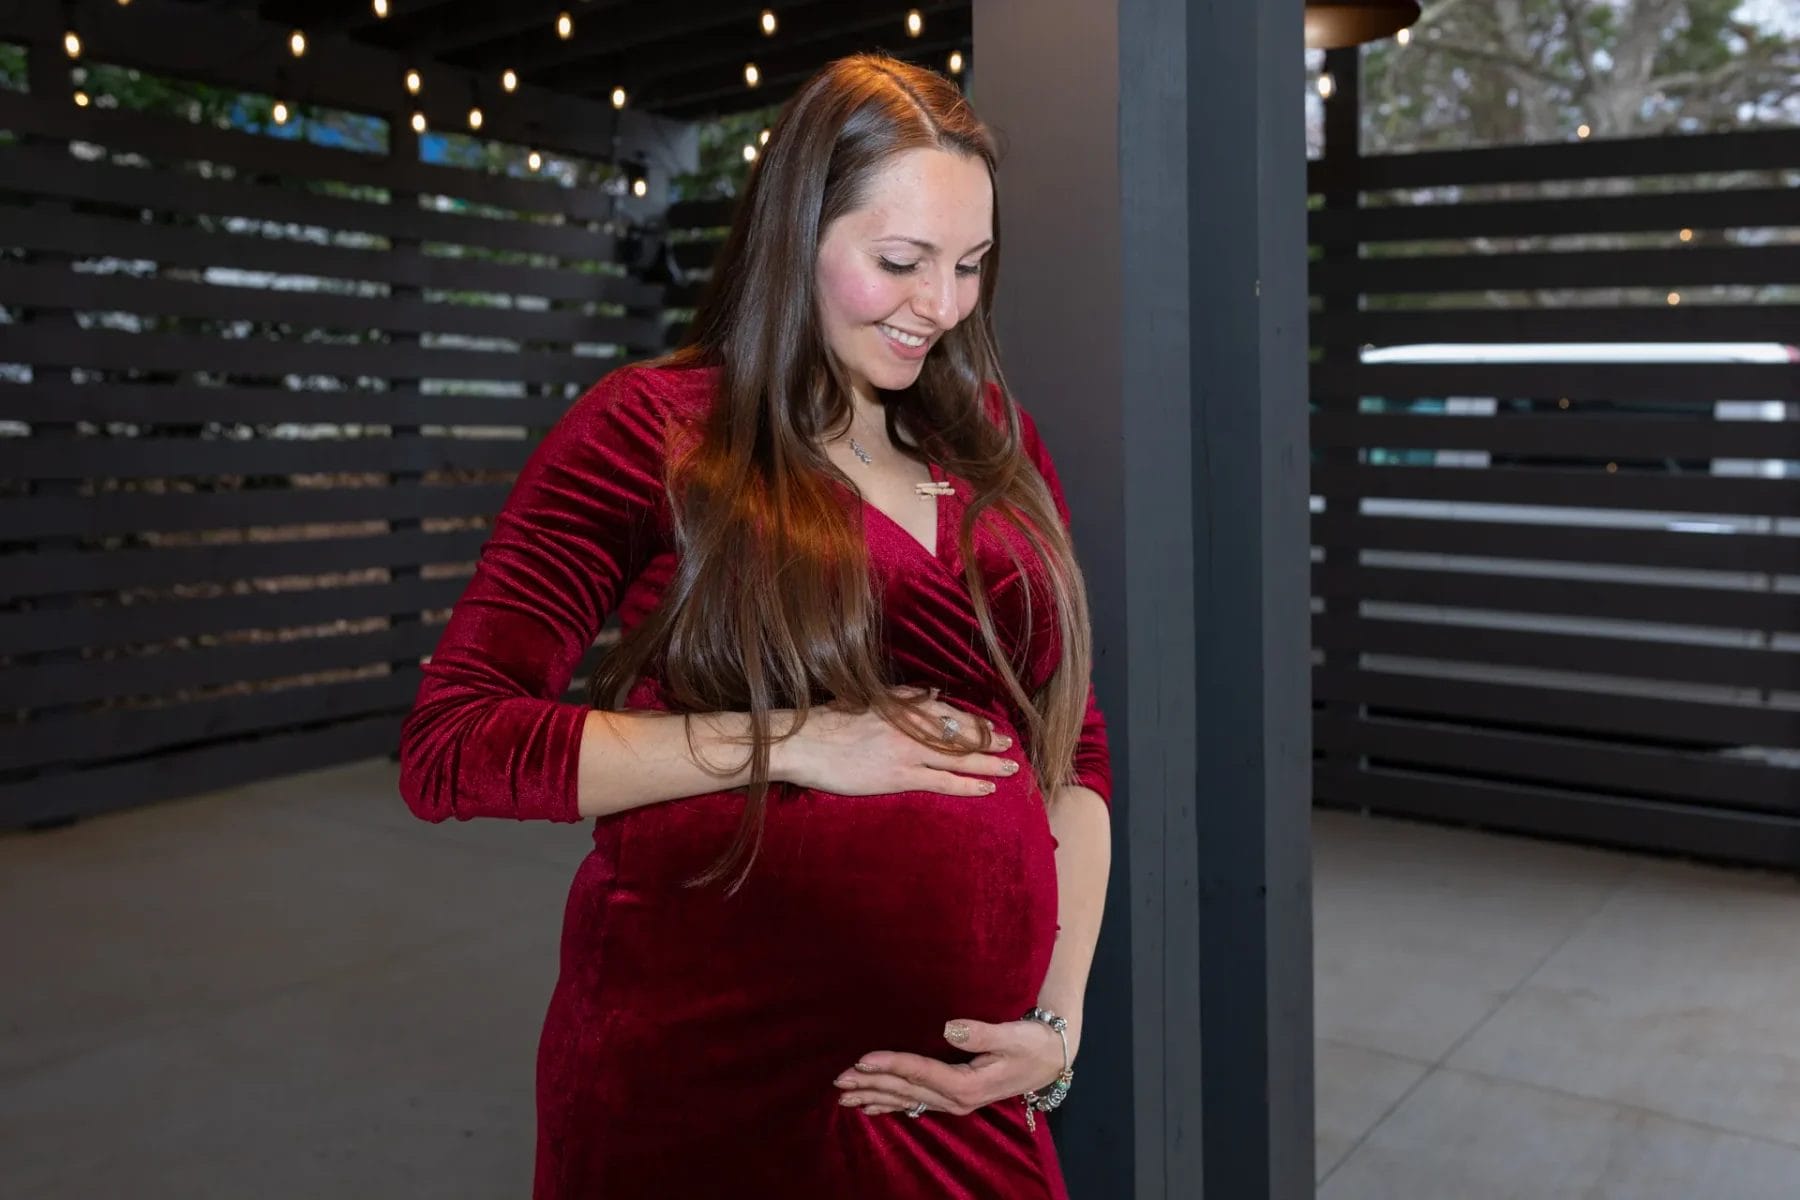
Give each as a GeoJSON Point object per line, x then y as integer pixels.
{"type": "Point", "coordinates": [474, 118]}
{"type": "Point", "coordinates": [749, 152]}
{"type": "Point", "coordinates": [618, 97]}
{"type": "Point", "coordinates": [418, 122]}
{"type": "Point", "coordinates": [72, 44]}
{"type": "Point", "coordinates": [752, 76]}
{"type": "Point", "coordinates": [1687, 235]}
{"type": "Point", "coordinates": [381, 8]}
{"type": "Point", "coordinates": [81, 99]}
{"type": "Point", "coordinates": [535, 161]}
{"type": "Point", "coordinates": [1582, 131]}
{"type": "Point", "coordinates": [1327, 85]}
{"type": "Point", "coordinates": [768, 22]}
{"type": "Point", "coordinates": [956, 62]}
{"type": "Point", "coordinates": [297, 43]}
{"type": "Point", "coordinates": [1404, 37]}
{"type": "Point", "coordinates": [1674, 299]}
{"type": "Point", "coordinates": [915, 23]}
{"type": "Point", "coordinates": [640, 187]}
{"type": "Point", "coordinates": [565, 26]}
{"type": "Point", "coordinates": [762, 139]}
{"type": "Point", "coordinates": [414, 82]}
{"type": "Point", "coordinates": [510, 80]}
{"type": "Point", "coordinates": [280, 113]}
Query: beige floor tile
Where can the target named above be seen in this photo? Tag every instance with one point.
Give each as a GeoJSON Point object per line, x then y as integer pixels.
{"type": "Point", "coordinates": [1353, 1089]}
{"type": "Point", "coordinates": [1682, 997]}
{"type": "Point", "coordinates": [1420, 932]}
{"type": "Point", "coordinates": [1462, 1137]}
{"type": "Point", "coordinates": [413, 1078]}
{"type": "Point", "coordinates": [180, 911]}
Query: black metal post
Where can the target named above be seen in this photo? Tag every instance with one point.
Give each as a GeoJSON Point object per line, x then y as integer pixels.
{"type": "Point", "coordinates": [1153, 319]}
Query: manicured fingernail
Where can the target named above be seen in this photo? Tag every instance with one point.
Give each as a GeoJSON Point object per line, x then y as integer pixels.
{"type": "Point", "coordinates": [1009, 766]}
{"type": "Point", "coordinates": [865, 1067]}
{"type": "Point", "coordinates": [1006, 743]}
{"type": "Point", "coordinates": [987, 785]}
{"type": "Point", "coordinates": [850, 1102]}
{"type": "Point", "coordinates": [844, 1081]}
{"type": "Point", "coordinates": [956, 1032]}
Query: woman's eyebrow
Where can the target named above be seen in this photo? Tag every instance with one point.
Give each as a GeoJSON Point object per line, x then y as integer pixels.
{"type": "Point", "coordinates": [931, 247]}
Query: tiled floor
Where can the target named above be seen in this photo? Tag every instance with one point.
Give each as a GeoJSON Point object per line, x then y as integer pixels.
{"type": "Point", "coordinates": [297, 990]}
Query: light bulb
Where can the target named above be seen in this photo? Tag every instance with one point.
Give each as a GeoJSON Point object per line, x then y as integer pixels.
{"type": "Point", "coordinates": [749, 152]}
{"type": "Point", "coordinates": [414, 81]}
{"type": "Point", "coordinates": [474, 118]}
{"type": "Point", "coordinates": [280, 113]}
{"type": "Point", "coordinates": [418, 122]}
{"type": "Point", "coordinates": [752, 76]}
{"type": "Point", "coordinates": [1687, 235]}
{"type": "Point", "coordinates": [1674, 299]}
{"type": "Point", "coordinates": [618, 97]}
{"type": "Point", "coordinates": [297, 43]}
{"type": "Point", "coordinates": [534, 160]}
{"type": "Point", "coordinates": [1327, 85]}
{"type": "Point", "coordinates": [956, 62]}
{"type": "Point", "coordinates": [640, 188]}
{"type": "Point", "coordinates": [72, 44]}
{"type": "Point", "coordinates": [762, 139]}
{"type": "Point", "coordinates": [768, 22]}
{"type": "Point", "coordinates": [81, 100]}
{"type": "Point", "coordinates": [381, 8]}
{"type": "Point", "coordinates": [510, 81]}
{"type": "Point", "coordinates": [565, 26]}
{"type": "Point", "coordinates": [1404, 37]}
{"type": "Point", "coordinates": [915, 23]}
{"type": "Point", "coordinates": [1582, 131]}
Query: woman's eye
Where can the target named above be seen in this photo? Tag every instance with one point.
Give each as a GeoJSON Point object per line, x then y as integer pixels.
{"type": "Point", "coordinates": [969, 269]}
{"type": "Point", "coordinates": [894, 268]}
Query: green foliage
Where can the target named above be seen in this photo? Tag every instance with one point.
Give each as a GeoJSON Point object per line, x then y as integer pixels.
{"type": "Point", "coordinates": [723, 167]}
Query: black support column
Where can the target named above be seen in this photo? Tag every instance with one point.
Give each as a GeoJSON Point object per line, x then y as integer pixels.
{"type": "Point", "coordinates": [1152, 317]}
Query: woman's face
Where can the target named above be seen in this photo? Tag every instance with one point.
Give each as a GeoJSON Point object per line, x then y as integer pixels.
{"type": "Point", "coordinates": [898, 273]}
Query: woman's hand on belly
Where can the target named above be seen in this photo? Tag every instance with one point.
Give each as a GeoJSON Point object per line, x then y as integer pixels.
{"type": "Point", "coordinates": [862, 754]}
{"type": "Point", "coordinates": [1010, 1060]}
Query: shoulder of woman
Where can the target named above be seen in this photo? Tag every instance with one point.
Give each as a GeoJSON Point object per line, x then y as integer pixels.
{"type": "Point", "coordinates": [642, 402]}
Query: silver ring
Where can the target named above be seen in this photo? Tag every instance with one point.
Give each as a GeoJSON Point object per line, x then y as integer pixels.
{"type": "Point", "coordinates": [917, 1110]}
{"type": "Point", "coordinates": [952, 726]}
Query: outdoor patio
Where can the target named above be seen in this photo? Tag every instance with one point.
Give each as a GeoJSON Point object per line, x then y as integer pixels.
{"type": "Point", "coordinates": [295, 989]}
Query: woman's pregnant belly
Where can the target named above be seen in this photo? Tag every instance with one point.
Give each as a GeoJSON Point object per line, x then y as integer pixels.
{"type": "Point", "coordinates": [865, 923]}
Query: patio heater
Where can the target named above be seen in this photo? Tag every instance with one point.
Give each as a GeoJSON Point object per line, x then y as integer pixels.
{"type": "Point", "coordinates": [1337, 24]}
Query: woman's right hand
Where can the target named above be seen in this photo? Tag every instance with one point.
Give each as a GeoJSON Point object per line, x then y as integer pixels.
{"type": "Point", "coordinates": [861, 754]}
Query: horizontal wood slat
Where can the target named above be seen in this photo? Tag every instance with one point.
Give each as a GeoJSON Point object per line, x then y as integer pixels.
{"type": "Point", "coordinates": [1676, 723]}
{"type": "Point", "coordinates": [1684, 267]}
{"type": "Point", "coordinates": [1665, 213]}
{"type": "Point", "coordinates": [1692, 777]}
{"type": "Point", "coordinates": [1759, 838]}
{"type": "Point", "coordinates": [47, 287]}
{"type": "Point", "coordinates": [1638, 658]}
{"type": "Point", "coordinates": [1706, 606]}
{"type": "Point", "coordinates": [1564, 435]}
{"type": "Point", "coordinates": [60, 572]}
{"type": "Point", "coordinates": [1564, 488]}
{"type": "Point", "coordinates": [142, 457]}
{"type": "Point", "coordinates": [1662, 323]}
{"type": "Point", "coordinates": [139, 512]}
{"type": "Point", "coordinates": [1695, 383]}
{"type": "Point", "coordinates": [193, 404]}
{"type": "Point", "coordinates": [1341, 532]}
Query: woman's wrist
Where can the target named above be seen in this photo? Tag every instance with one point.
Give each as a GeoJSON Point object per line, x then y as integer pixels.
{"type": "Point", "coordinates": [784, 752]}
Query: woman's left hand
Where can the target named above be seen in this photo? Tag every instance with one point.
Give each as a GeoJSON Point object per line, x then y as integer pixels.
{"type": "Point", "coordinates": [1010, 1060]}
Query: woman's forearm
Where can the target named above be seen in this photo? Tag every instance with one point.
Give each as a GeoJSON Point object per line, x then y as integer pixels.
{"type": "Point", "coordinates": [632, 759]}
{"type": "Point", "coordinates": [1083, 827]}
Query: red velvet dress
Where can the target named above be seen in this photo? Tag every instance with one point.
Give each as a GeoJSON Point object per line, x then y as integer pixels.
{"type": "Point", "coordinates": [692, 1039]}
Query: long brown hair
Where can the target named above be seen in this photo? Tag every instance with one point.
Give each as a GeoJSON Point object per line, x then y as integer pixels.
{"type": "Point", "coordinates": [771, 605]}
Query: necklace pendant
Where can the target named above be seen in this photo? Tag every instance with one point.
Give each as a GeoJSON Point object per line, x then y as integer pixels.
{"type": "Point", "coordinates": [934, 488]}
{"type": "Point", "coordinates": [856, 449]}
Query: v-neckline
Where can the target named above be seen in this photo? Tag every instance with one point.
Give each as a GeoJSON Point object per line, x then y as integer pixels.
{"type": "Point", "coordinates": [934, 552]}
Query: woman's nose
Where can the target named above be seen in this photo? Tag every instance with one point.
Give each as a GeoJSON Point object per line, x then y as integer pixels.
{"type": "Point", "coordinates": [936, 299]}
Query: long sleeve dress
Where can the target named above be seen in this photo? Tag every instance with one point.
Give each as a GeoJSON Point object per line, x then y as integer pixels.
{"type": "Point", "coordinates": [693, 1036]}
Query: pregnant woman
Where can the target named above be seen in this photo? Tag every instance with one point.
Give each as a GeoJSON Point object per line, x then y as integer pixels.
{"type": "Point", "coordinates": [848, 780]}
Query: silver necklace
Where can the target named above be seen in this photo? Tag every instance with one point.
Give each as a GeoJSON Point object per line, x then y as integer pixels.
{"type": "Point", "coordinates": [925, 490]}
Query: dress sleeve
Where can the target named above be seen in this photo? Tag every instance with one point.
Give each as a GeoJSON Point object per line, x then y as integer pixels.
{"type": "Point", "coordinates": [1093, 755]}
{"type": "Point", "coordinates": [489, 734]}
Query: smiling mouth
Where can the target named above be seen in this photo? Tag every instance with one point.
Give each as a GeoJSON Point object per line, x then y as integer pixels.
{"type": "Point", "coordinates": [913, 340]}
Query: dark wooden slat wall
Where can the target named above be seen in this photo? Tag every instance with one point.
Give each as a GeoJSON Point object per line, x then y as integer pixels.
{"type": "Point", "coordinates": [1563, 614]}
{"type": "Point", "coordinates": [259, 399]}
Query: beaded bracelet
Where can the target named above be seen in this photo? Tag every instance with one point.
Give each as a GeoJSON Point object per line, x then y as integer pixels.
{"type": "Point", "coordinates": [1042, 1102]}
